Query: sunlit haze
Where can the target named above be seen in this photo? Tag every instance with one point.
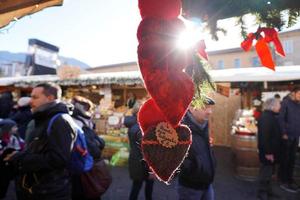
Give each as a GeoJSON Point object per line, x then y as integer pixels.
{"type": "Point", "coordinates": [97, 32]}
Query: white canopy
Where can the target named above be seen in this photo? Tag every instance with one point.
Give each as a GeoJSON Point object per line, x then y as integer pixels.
{"type": "Point", "coordinates": [256, 74]}
{"type": "Point", "coordinates": [127, 78]}
{"type": "Point", "coordinates": [253, 74]}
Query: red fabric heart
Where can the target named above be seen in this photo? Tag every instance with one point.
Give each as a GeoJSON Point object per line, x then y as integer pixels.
{"type": "Point", "coordinates": [165, 161]}
{"type": "Point", "coordinates": [149, 115]}
{"type": "Point", "coordinates": [172, 91]}
{"type": "Point", "coordinates": [168, 28]}
{"type": "Point", "coordinates": [161, 64]}
{"type": "Point", "coordinates": [161, 9]}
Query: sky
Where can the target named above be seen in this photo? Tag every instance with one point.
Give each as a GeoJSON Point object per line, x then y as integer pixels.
{"type": "Point", "coordinates": [96, 32]}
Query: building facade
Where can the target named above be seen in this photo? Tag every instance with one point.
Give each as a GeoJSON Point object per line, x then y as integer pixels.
{"type": "Point", "coordinates": [12, 69]}
{"type": "Point", "coordinates": [121, 67]}
{"type": "Point", "coordinates": [231, 58]}
{"type": "Point", "coordinates": [237, 58]}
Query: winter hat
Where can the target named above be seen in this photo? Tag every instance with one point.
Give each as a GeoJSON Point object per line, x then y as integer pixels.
{"type": "Point", "coordinates": [24, 101]}
{"type": "Point", "coordinates": [83, 104]}
{"type": "Point", "coordinates": [208, 101]}
{"type": "Point", "coordinates": [7, 124]}
{"type": "Point", "coordinates": [136, 107]}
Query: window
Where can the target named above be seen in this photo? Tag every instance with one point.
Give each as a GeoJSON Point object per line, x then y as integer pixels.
{"type": "Point", "coordinates": [237, 63]}
{"type": "Point", "coordinates": [288, 46]}
{"type": "Point", "coordinates": [220, 64]}
{"type": "Point", "coordinates": [255, 62]}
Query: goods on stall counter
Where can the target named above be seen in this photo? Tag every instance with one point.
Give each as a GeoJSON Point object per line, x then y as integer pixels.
{"type": "Point", "coordinates": [244, 123]}
{"type": "Point", "coordinates": [115, 126]}
{"type": "Point", "coordinates": [113, 144]}
{"type": "Point", "coordinates": [120, 158]}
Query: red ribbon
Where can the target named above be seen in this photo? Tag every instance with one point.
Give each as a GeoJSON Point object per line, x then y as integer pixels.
{"type": "Point", "coordinates": [201, 49]}
{"type": "Point", "coordinates": [262, 48]}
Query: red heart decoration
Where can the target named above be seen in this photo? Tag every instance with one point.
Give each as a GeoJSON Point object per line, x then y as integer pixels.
{"type": "Point", "coordinates": [158, 44]}
{"type": "Point", "coordinates": [161, 65]}
{"type": "Point", "coordinates": [171, 91]}
{"type": "Point", "coordinates": [165, 161]}
{"type": "Point", "coordinates": [149, 115]}
{"type": "Point", "coordinates": [166, 9]}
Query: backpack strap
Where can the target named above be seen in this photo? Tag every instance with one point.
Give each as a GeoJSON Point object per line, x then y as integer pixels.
{"type": "Point", "coordinates": [51, 122]}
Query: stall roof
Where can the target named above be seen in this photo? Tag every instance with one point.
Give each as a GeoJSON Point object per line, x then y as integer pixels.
{"type": "Point", "coordinates": [253, 74]}
{"type": "Point", "coordinates": [125, 78]}
{"type": "Point", "coordinates": [256, 74]}
{"type": "Point", "coordinates": [15, 9]}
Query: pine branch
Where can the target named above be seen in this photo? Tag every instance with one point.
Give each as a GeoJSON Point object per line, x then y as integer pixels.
{"type": "Point", "coordinates": [202, 81]}
{"type": "Point", "coordinates": [243, 27]}
{"type": "Point", "coordinates": [293, 17]}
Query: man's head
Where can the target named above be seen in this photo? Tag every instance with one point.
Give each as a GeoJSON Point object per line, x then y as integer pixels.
{"type": "Point", "coordinates": [43, 94]}
{"type": "Point", "coordinates": [296, 93]}
{"type": "Point", "coordinates": [277, 96]}
{"type": "Point", "coordinates": [272, 104]}
{"type": "Point", "coordinates": [131, 95]}
{"type": "Point", "coordinates": [202, 114]}
{"type": "Point", "coordinates": [8, 126]}
{"type": "Point", "coordinates": [83, 104]}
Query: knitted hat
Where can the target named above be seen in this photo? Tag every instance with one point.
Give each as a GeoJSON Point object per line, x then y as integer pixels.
{"type": "Point", "coordinates": [7, 124]}
{"type": "Point", "coordinates": [24, 101]}
{"type": "Point", "coordinates": [208, 101]}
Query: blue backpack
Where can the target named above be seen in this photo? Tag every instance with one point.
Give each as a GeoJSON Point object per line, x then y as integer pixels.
{"type": "Point", "coordinates": [81, 160]}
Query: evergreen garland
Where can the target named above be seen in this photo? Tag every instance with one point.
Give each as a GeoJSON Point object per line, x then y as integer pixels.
{"type": "Point", "coordinates": [202, 81]}
{"type": "Point", "coordinates": [269, 13]}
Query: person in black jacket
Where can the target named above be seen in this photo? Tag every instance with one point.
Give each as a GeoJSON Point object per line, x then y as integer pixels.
{"type": "Point", "coordinates": [289, 118]}
{"type": "Point", "coordinates": [6, 104]}
{"type": "Point", "coordinates": [138, 169]}
{"type": "Point", "coordinates": [198, 169]}
{"type": "Point", "coordinates": [23, 115]}
{"type": "Point", "coordinates": [82, 116]}
{"type": "Point", "coordinates": [43, 165]}
{"type": "Point", "coordinates": [268, 145]}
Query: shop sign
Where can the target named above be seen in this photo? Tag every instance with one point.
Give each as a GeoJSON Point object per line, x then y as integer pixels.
{"type": "Point", "coordinates": [68, 72]}
{"type": "Point", "coordinates": [223, 90]}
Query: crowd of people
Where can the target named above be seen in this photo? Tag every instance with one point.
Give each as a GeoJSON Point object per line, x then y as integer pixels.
{"type": "Point", "coordinates": [278, 140]}
{"type": "Point", "coordinates": [37, 157]}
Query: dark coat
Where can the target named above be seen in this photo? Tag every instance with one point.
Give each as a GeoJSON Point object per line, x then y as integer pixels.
{"type": "Point", "coordinates": [45, 160]}
{"type": "Point", "coordinates": [198, 169]}
{"type": "Point", "coordinates": [269, 136]}
{"type": "Point", "coordinates": [22, 117]}
{"type": "Point", "coordinates": [95, 146]}
{"type": "Point", "coordinates": [6, 104]}
{"type": "Point", "coordinates": [289, 118]}
{"type": "Point", "coordinates": [138, 169]}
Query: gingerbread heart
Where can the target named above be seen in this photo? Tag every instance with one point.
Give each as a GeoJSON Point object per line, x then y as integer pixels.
{"type": "Point", "coordinates": [164, 148]}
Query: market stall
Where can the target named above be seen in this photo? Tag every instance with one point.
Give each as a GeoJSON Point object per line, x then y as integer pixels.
{"type": "Point", "coordinates": [241, 93]}
{"type": "Point", "coordinates": [108, 91]}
